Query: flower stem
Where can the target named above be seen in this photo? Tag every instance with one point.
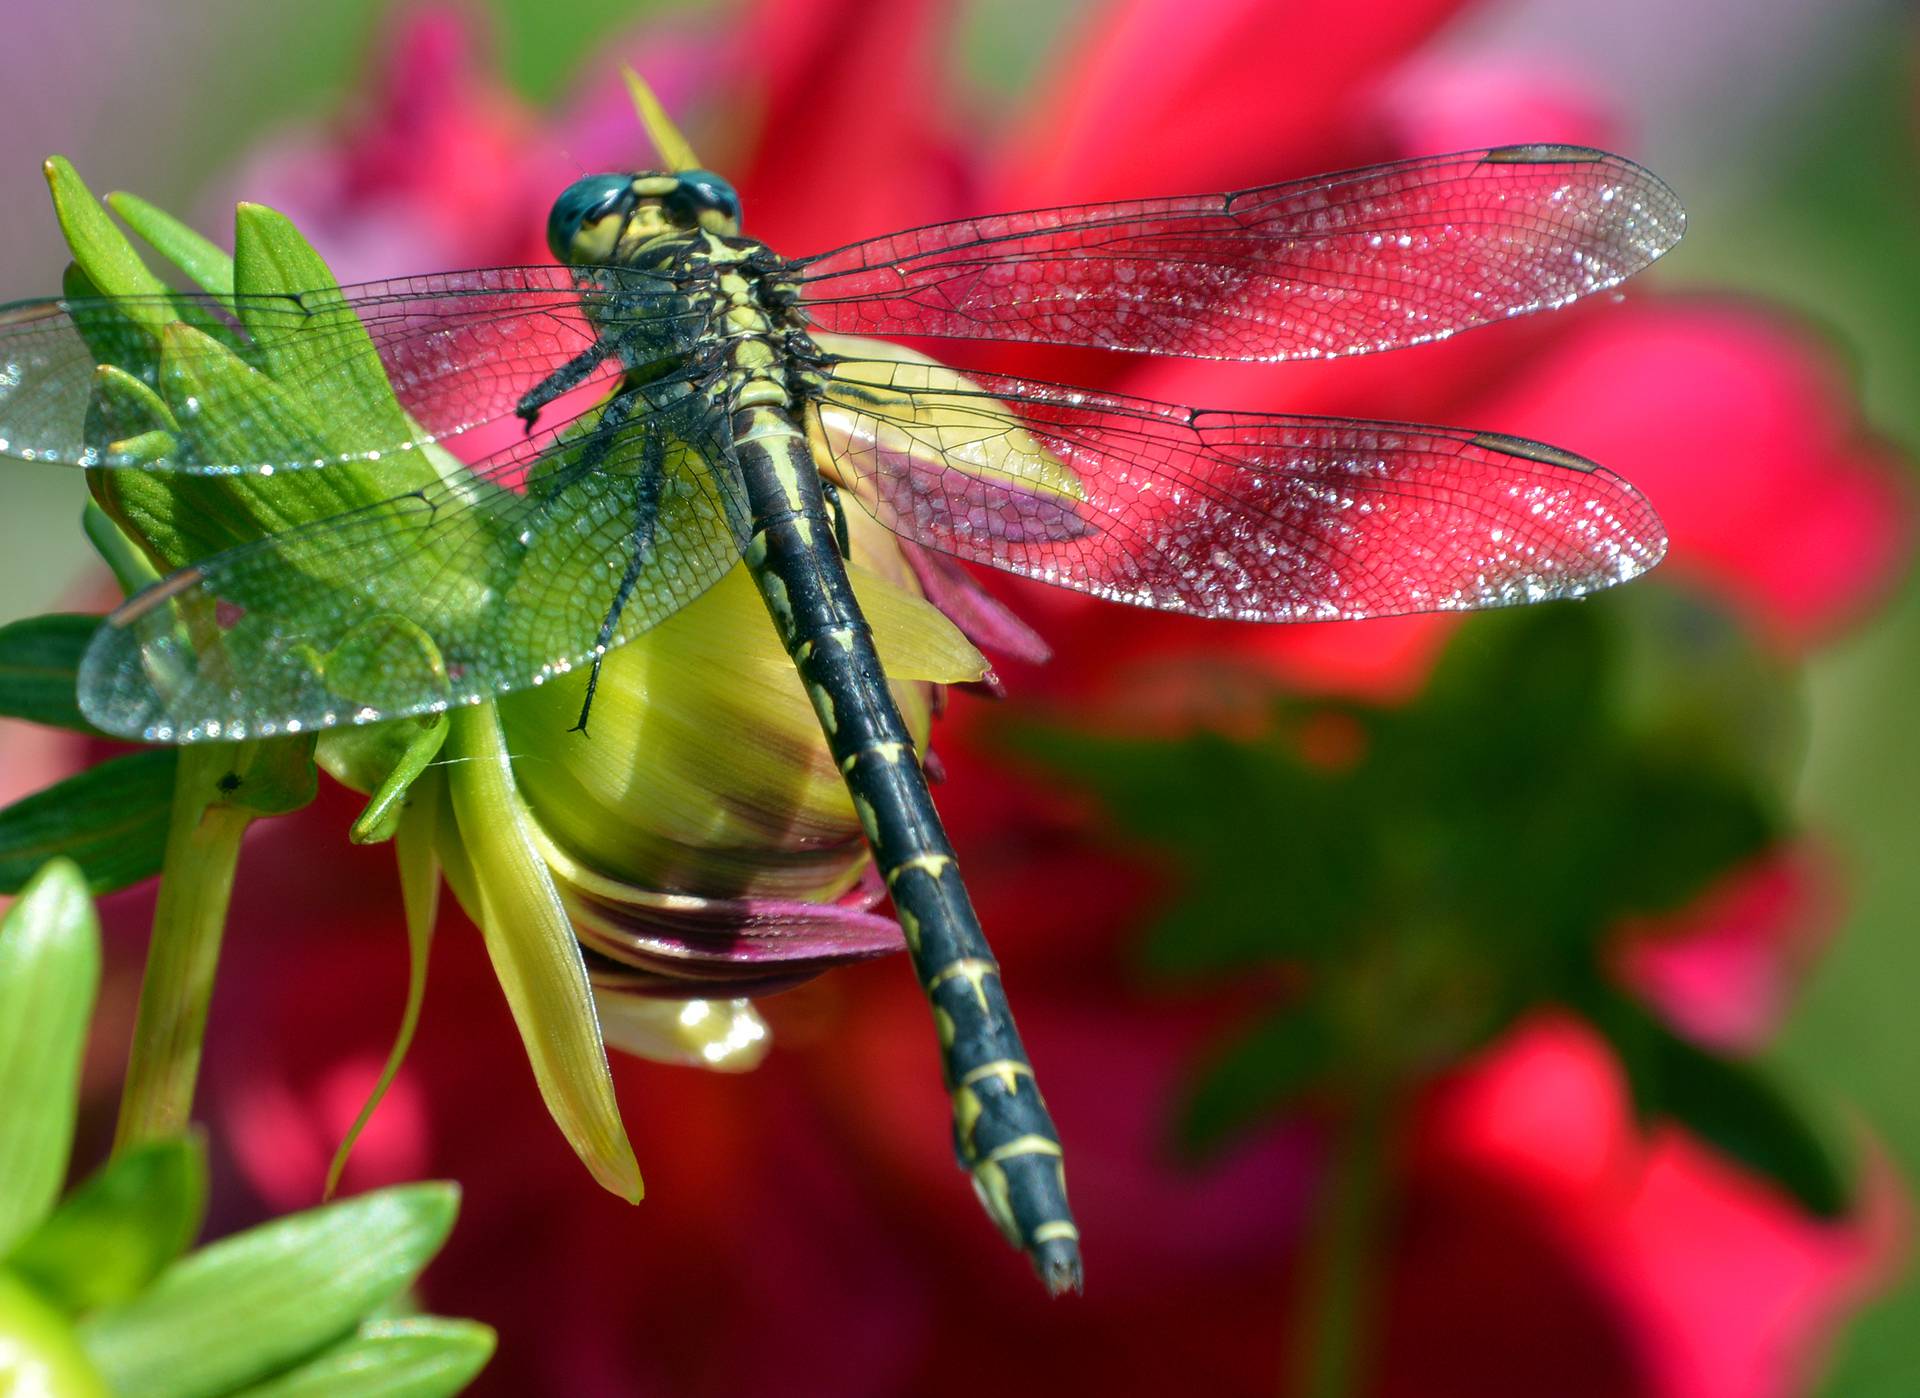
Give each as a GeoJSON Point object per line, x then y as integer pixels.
{"type": "Point", "coordinates": [196, 882]}
{"type": "Point", "coordinates": [1332, 1331]}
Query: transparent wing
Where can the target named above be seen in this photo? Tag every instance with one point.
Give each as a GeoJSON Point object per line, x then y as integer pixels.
{"type": "Point", "coordinates": [1373, 259]}
{"type": "Point", "coordinates": [459, 349]}
{"type": "Point", "coordinates": [1260, 517]}
{"type": "Point", "coordinates": [486, 582]}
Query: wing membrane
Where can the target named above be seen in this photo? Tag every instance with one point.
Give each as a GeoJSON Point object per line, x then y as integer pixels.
{"type": "Point", "coordinates": [486, 582]}
{"type": "Point", "coordinates": [1387, 256]}
{"type": "Point", "coordinates": [1259, 517]}
{"type": "Point", "coordinates": [459, 349]}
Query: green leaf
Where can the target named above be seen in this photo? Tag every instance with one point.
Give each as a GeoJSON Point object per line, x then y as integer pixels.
{"type": "Point", "coordinates": [1695, 824]}
{"type": "Point", "coordinates": [1731, 1104]}
{"type": "Point", "coordinates": [49, 971]}
{"type": "Point", "coordinates": [244, 1308]}
{"type": "Point", "coordinates": [1738, 1107]}
{"type": "Point", "coordinates": [1258, 1073]}
{"type": "Point", "coordinates": [131, 568]}
{"type": "Point", "coordinates": [39, 664]}
{"type": "Point", "coordinates": [113, 1234]}
{"type": "Point", "coordinates": [1263, 860]}
{"type": "Point", "coordinates": [378, 822]}
{"type": "Point", "coordinates": [125, 405]}
{"type": "Point", "coordinates": [103, 252]}
{"type": "Point", "coordinates": [271, 259]}
{"type": "Point", "coordinates": [184, 247]}
{"type": "Point", "coordinates": [414, 1357]}
{"type": "Point", "coordinates": [110, 819]}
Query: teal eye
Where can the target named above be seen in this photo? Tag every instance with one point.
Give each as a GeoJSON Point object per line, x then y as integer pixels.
{"type": "Point", "coordinates": [702, 191]}
{"type": "Point", "coordinates": [584, 201]}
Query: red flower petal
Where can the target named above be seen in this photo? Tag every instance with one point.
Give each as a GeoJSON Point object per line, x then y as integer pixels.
{"type": "Point", "coordinates": [1175, 96]}
{"type": "Point", "coordinates": [1743, 436]}
{"type": "Point", "coordinates": [1726, 1287]}
{"type": "Point", "coordinates": [1724, 969]}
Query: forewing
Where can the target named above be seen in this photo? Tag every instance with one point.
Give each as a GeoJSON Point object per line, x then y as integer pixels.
{"type": "Point", "coordinates": [1373, 259]}
{"type": "Point", "coordinates": [1260, 517]}
{"type": "Point", "coordinates": [459, 349]}
{"type": "Point", "coordinates": [487, 582]}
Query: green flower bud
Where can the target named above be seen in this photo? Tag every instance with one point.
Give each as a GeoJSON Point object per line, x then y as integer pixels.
{"type": "Point", "coordinates": [703, 770]}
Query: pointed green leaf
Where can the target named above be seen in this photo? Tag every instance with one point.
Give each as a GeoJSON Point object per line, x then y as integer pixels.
{"type": "Point", "coordinates": [271, 259]}
{"type": "Point", "coordinates": [49, 971]}
{"type": "Point", "coordinates": [231, 412]}
{"type": "Point", "coordinates": [381, 818]}
{"type": "Point", "coordinates": [228, 410]}
{"type": "Point", "coordinates": [132, 569]}
{"type": "Point", "coordinates": [1739, 1108]}
{"type": "Point", "coordinates": [110, 819]}
{"type": "Point", "coordinates": [1257, 1074]}
{"type": "Point", "coordinates": [184, 247]}
{"type": "Point", "coordinates": [1731, 1104]}
{"type": "Point", "coordinates": [534, 952]}
{"type": "Point", "coordinates": [102, 250]}
{"type": "Point", "coordinates": [39, 661]}
{"type": "Point", "coordinates": [127, 418]}
{"type": "Point", "coordinates": [248, 1306]}
{"type": "Point", "coordinates": [1255, 877]}
{"type": "Point", "coordinates": [113, 1234]}
{"type": "Point", "coordinates": [414, 1357]}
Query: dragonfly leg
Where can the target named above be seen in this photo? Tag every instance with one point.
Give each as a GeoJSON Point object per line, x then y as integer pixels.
{"type": "Point", "coordinates": [567, 377]}
{"type": "Point", "coordinates": [646, 512]}
{"type": "Point", "coordinates": [840, 534]}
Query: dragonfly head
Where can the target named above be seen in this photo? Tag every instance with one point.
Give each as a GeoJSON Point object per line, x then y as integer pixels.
{"type": "Point", "coordinates": [604, 218]}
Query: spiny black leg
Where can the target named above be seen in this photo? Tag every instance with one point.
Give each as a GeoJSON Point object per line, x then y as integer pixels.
{"type": "Point", "coordinates": [646, 512]}
{"type": "Point", "coordinates": [840, 535]}
{"type": "Point", "coordinates": [592, 449]}
{"type": "Point", "coordinates": [568, 376]}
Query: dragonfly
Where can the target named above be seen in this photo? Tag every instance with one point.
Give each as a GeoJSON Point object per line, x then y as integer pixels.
{"type": "Point", "coordinates": [692, 401]}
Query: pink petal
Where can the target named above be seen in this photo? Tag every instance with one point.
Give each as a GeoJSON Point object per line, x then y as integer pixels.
{"type": "Point", "coordinates": [982, 618]}
{"type": "Point", "coordinates": [284, 1139]}
{"type": "Point", "coordinates": [1744, 435]}
{"type": "Point", "coordinates": [1442, 103]}
{"type": "Point", "coordinates": [680, 945]}
{"type": "Point", "coordinates": [1725, 970]}
{"type": "Point", "coordinates": [1728, 1289]}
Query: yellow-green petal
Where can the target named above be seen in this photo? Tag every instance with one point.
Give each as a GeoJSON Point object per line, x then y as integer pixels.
{"type": "Point", "coordinates": [726, 1035]}
{"type": "Point", "coordinates": [534, 952]}
{"type": "Point", "coordinates": [40, 1357]}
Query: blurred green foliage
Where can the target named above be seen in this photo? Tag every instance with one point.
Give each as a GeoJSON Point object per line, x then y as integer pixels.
{"type": "Point", "coordinates": [1431, 872]}
{"type": "Point", "coordinates": [1830, 229]}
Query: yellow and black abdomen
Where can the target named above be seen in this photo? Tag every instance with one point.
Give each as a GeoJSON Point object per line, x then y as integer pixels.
{"type": "Point", "coordinates": [1003, 1134]}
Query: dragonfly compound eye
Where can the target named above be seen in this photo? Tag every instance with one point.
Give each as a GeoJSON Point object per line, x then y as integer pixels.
{"type": "Point", "coordinates": [577, 229]}
{"type": "Point", "coordinates": [704, 198]}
